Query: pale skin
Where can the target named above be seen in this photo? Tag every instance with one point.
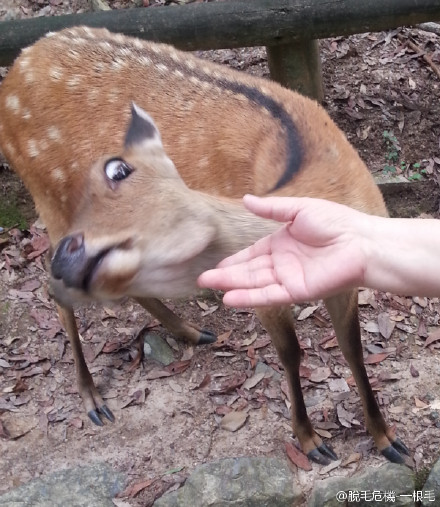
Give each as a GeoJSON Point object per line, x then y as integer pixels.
{"type": "Point", "coordinates": [324, 248]}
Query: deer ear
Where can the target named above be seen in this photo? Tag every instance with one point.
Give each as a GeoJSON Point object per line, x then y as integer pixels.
{"type": "Point", "coordinates": [142, 129]}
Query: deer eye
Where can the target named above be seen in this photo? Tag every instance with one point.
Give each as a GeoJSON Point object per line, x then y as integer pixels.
{"type": "Point", "coordinates": [117, 169]}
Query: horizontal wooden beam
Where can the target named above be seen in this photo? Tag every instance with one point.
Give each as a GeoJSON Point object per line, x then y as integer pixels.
{"type": "Point", "coordinates": [231, 24]}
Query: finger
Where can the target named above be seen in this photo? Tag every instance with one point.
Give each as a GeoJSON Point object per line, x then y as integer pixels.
{"type": "Point", "coordinates": [239, 276]}
{"type": "Point", "coordinates": [267, 296]}
{"type": "Point", "coordinates": [260, 249]}
{"type": "Point", "coordinates": [282, 209]}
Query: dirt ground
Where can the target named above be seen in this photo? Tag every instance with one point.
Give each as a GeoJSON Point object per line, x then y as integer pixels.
{"type": "Point", "coordinates": [386, 99]}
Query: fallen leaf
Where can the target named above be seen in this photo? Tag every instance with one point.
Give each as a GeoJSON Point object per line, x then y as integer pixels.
{"type": "Point", "coordinates": [432, 337]}
{"type": "Point", "coordinates": [297, 457]}
{"type": "Point", "coordinates": [253, 381]}
{"type": "Point", "coordinates": [419, 403]}
{"type": "Point", "coordinates": [386, 325]}
{"type": "Point", "coordinates": [320, 374]}
{"type": "Point", "coordinates": [353, 458]}
{"type": "Point", "coordinates": [178, 366]}
{"type": "Point", "coordinates": [331, 466]}
{"type": "Point", "coordinates": [376, 358]}
{"type": "Point", "coordinates": [234, 421]}
{"type": "Point", "coordinates": [205, 382]}
{"type": "Point", "coordinates": [304, 314]}
{"type": "Point", "coordinates": [133, 489]}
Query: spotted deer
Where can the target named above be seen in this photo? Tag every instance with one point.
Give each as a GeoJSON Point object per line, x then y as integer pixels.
{"type": "Point", "coordinates": [93, 123]}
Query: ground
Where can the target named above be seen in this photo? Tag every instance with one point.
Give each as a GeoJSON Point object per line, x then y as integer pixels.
{"type": "Point", "coordinates": [385, 99]}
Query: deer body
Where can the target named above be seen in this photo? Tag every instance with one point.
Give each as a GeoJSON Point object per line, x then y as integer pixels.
{"type": "Point", "coordinates": [148, 231]}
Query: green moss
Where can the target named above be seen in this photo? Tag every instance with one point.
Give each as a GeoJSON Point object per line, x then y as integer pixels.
{"type": "Point", "coordinates": [11, 216]}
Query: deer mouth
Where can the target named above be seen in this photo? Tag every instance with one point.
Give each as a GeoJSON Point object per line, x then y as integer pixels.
{"type": "Point", "coordinates": [79, 270]}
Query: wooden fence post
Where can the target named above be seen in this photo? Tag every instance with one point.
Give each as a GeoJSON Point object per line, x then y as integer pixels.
{"type": "Point", "coordinates": [297, 65]}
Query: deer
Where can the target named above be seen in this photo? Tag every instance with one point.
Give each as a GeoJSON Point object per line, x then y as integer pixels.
{"type": "Point", "coordinates": [137, 156]}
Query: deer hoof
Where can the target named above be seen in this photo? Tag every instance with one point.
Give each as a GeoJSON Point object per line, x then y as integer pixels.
{"type": "Point", "coordinates": [401, 447]}
{"type": "Point", "coordinates": [206, 337]}
{"type": "Point", "coordinates": [105, 411]}
{"type": "Point", "coordinates": [318, 457]}
{"type": "Point", "coordinates": [326, 450]}
{"type": "Point", "coordinates": [392, 455]}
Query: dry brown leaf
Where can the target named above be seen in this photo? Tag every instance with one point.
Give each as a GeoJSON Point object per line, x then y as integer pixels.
{"type": "Point", "coordinates": [419, 403]}
{"type": "Point", "coordinates": [432, 337]}
{"type": "Point", "coordinates": [177, 367]}
{"type": "Point", "coordinates": [376, 358]}
{"type": "Point", "coordinates": [331, 466]}
{"type": "Point", "coordinates": [355, 457]}
{"type": "Point", "coordinates": [234, 420]}
{"type": "Point", "coordinates": [386, 325]}
{"type": "Point", "coordinates": [297, 457]}
{"type": "Point", "coordinates": [253, 381]}
{"type": "Point", "coordinates": [304, 314]}
{"type": "Point", "coordinates": [133, 489]}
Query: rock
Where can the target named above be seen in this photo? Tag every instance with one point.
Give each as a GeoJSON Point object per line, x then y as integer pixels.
{"type": "Point", "coordinates": [88, 486]}
{"type": "Point", "coordinates": [391, 479]}
{"type": "Point", "coordinates": [158, 349]}
{"type": "Point", "coordinates": [431, 490]}
{"type": "Point", "coordinates": [238, 482]}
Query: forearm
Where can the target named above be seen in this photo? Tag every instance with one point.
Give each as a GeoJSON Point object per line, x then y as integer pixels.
{"type": "Point", "coordinates": [402, 256]}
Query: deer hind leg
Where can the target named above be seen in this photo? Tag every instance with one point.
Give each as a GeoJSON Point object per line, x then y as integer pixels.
{"type": "Point", "coordinates": [279, 324]}
{"type": "Point", "coordinates": [180, 328]}
{"type": "Point", "coordinates": [92, 400]}
{"type": "Point", "coordinates": [343, 311]}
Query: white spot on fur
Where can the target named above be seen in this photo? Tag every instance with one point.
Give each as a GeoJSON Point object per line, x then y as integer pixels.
{"type": "Point", "coordinates": [178, 73]}
{"type": "Point", "coordinates": [125, 52]}
{"type": "Point", "coordinates": [89, 32]}
{"type": "Point", "coordinates": [9, 149]}
{"type": "Point", "coordinates": [138, 44]}
{"type": "Point", "coordinates": [24, 63]}
{"type": "Point", "coordinates": [54, 133]}
{"type": "Point", "coordinates": [74, 54]}
{"type": "Point", "coordinates": [24, 51]}
{"type": "Point", "coordinates": [113, 96]}
{"type": "Point", "coordinates": [73, 81]}
{"type": "Point", "coordinates": [119, 38]}
{"type": "Point", "coordinates": [174, 55]}
{"type": "Point", "coordinates": [195, 80]}
{"type": "Point", "coordinates": [93, 95]}
{"type": "Point", "coordinates": [118, 64]}
{"type": "Point", "coordinates": [157, 50]}
{"type": "Point", "coordinates": [50, 34]}
{"type": "Point", "coordinates": [55, 73]}
{"type": "Point", "coordinates": [190, 64]}
{"type": "Point", "coordinates": [29, 77]}
{"type": "Point", "coordinates": [144, 60]}
{"type": "Point", "coordinates": [78, 41]}
{"type": "Point", "coordinates": [58, 175]}
{"type": "Point", "coordinates": [12, 102]}
{"type": "Point", "coordinates": [106, 46]}
{"type": "Point", "coordinates": [162, 68]}
{"type": "Point", "coordinates": [33, 150]}
{"type": "Point", "coordinates": [99, 67]}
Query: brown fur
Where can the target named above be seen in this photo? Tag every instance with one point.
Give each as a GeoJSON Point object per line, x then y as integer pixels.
{"type": "Point", "coordinates": [66, 103]}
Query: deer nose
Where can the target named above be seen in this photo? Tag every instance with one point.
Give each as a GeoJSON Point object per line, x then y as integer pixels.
{"type": "Point", "coordinates": [69, 261]}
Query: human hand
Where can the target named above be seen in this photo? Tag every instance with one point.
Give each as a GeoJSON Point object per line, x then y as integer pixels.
{"type": "Point", "coordinates": [317, 253]}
